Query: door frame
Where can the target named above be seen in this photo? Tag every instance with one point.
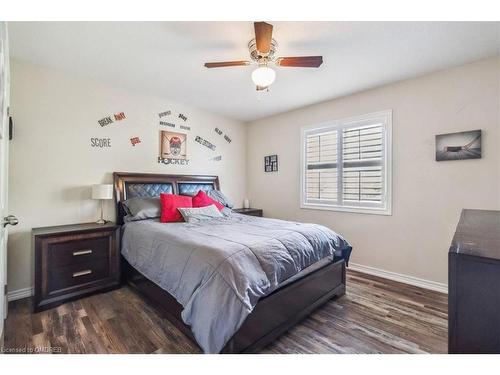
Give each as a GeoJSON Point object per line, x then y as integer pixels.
{"type": "Point", "coordinates": [4, 169]}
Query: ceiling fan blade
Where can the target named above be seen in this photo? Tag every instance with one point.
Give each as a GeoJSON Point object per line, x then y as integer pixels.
{"type": "Point", "coordinates": [263, 36]}
{"type": "Point", "coordinates": [302, 61]}
{"type": "Point", "coordinates": [226, 63]}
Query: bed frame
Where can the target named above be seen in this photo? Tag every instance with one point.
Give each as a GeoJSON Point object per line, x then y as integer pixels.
{"type": "Point", "coordinates": [272, 316]}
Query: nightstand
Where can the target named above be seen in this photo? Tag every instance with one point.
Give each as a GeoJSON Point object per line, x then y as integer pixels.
{"type": "Point", "coordinates": [249, 211]}
{"type": "Point", "coordinates": [72, 261]}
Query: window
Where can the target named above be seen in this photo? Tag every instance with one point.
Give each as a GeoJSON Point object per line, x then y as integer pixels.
{"type": "Point", "coordinates": [346, 165]}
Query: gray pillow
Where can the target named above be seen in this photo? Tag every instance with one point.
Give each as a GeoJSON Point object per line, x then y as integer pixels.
{"type": "Point", "coordinates": [142, 208]}
{"type": "Point", "coordinates": [195, 214]}
{"type": "Point", "coordinates": [219, 197]}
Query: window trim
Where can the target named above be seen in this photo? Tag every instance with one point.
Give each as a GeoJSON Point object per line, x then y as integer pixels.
{"type": "Point", "coordinates": [386, 117]}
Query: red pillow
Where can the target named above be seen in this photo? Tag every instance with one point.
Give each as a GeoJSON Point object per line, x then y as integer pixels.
{"type": "Point", "coordinates": [202, 200]}
{"type": "Point", "coordinates": [170, 204]}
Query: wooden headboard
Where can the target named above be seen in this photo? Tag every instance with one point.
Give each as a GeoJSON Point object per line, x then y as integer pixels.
{"type": "Point", "coordinates": [129, 185]}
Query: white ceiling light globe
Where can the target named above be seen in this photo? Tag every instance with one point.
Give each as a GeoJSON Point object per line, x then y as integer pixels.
{"type": "Point", "coordinates": [263, 76]}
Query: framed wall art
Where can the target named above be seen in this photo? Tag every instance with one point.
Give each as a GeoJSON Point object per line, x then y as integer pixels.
{"type": "Point", "coordinates": [458, 146]}
{"type": "Point", "coordinates": [271, 163]}
{"type": "Point", "coordinates": [172, 145]}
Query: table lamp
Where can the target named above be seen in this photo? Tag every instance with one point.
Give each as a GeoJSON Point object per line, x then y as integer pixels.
{"type": "Point", "coordinates": [102, 192]}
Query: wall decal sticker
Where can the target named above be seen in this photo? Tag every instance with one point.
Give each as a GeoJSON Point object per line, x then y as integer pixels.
{"type": "Point", "coordinates": [108, 120]}
{"type": "Point", "coordinates": [105, 121]}
{"type": "Point", "coordinates": [172, 148]}
{"type": "Point", "coordinates": [205, 143]}
{"type": "Point", "coordinates": [173, 161]}
{"type": "Point", "coordinates": [100, 142]}
{"type": "Point", "coordinates": [184, 127]}
{"type": "Point", "coordinates": [226, 137]}
{"type": "Point", "coordinates": [217, 158]}
{"type": "Point", "coordinates": [164, 123]}
{"type": "Point", "coordinates": [271, 163]}
{"type": "Point", "coordinates": [135, 140]}
{"type": "Point", "coordinates": [182, 117]}
{"type": "Point", "coordinates": [119, 116]}
{"type": "Point", "coordinates": [163, 114]}
{"type": "Point", "coordinates": [458, 146]}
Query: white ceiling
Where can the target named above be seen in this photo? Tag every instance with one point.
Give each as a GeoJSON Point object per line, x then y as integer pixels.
{"type": "Point", "coordinates": [166, 58]}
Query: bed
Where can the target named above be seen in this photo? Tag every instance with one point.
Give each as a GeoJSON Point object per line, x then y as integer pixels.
{"type": "Point", "coordinates": [231, 285]}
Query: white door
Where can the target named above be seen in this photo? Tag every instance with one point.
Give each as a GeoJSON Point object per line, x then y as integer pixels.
{"type": "Point", "coordinates": [4, 173]}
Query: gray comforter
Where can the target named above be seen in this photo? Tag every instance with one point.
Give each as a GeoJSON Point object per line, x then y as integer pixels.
{"type": "Point", "coordinates": [218, 269]}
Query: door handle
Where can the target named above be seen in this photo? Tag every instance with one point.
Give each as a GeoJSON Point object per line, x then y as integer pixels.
{"type": "Point", "coordinates": [10, 220]}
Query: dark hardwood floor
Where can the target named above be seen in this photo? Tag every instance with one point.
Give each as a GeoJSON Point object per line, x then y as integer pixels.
{"type": "Point", "coordinates": [375, 316]}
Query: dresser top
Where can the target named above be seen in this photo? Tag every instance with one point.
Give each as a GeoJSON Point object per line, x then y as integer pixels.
{"type": "Point", "coordinates": [478, 234]}
{"type": "Point", "coordinates": [44, 231]}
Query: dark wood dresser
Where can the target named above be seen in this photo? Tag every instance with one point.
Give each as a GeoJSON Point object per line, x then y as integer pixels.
{"type": "Point", "coordinates": [74, 260]}
{"type": "Point", "coordinates": [249, 211]}
{"type": "Point", "coordinates": [474, 284]}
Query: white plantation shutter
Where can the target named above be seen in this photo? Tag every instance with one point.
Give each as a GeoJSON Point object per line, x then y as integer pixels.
{"type": "Point", "coordinates": [347, 165]}
{"type": "Point", "coordinates": [321, 178]}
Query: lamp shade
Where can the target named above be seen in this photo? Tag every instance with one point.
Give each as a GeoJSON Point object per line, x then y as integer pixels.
{"type": "Point", "coordinates": [263, 76]}
{"type": "Point", "coordinates": [102, 191]}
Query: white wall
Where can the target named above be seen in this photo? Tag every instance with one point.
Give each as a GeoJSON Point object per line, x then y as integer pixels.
{"type": "Point", "coordinates": [52, 164]}
{"type": "Point", "coordinates": [427, 195]}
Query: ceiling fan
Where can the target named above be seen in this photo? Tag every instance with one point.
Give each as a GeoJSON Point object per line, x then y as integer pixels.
{"type": "Point", "coordinates": [262, 49]}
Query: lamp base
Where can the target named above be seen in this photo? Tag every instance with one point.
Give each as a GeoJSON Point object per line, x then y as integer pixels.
{"type": "Point", "coordinates": [101, 221]}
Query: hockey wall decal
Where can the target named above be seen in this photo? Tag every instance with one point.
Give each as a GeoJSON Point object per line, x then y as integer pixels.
{"type": "Point", "coordinates": [100, 142]}
{"type": "Point", "coordinates": [119, 116]}
{"type": "Point", "coordinates": [226, 137]}
{"type": "Point", "coordinates": [105, 121]}
{"type": "Point", "coordinates": [164, 113]}
{"type": "Point", "coordinates": [165, 123]}
{"type": "Point", "coordinates": [135, 140]}
{"type": "Point", "coordinates": [108, 119]}
{"type": "Point", "coordinates": [171, 123]}
{"type": "Point", "coordinates": [205, 143]}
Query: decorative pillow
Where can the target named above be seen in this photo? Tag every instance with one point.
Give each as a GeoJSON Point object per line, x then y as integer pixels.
{"type": "Point", "coordinates": [219, 197]}
{"type": "Point", "coordinates": [142, 208]}
{"type": "Point", "coordinates": [199, 213]}
{"type": "Point", "coordinates": [170, 204]}
{"type": "Point", "coordinates": [202, 200]}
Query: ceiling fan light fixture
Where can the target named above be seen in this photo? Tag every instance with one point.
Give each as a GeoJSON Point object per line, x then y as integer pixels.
{"type": "Point", "coordinates": [263, 76]}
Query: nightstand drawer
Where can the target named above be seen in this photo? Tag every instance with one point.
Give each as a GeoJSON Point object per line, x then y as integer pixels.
{"type": "Point", "coordinates": [78, 251]}
{"type": "Point", "coordinates": [77, 275]}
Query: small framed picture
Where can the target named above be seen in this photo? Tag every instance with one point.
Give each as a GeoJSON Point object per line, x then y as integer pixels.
{"type": "Point", "coordinates": [271, 163]}
{"type": "Point", "coordinates": [458, 146]}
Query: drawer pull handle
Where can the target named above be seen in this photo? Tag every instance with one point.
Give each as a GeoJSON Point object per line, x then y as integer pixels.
{"type": "Point", "coordinates": [82, 273]}
{"type": "Point", "coordinates": [81, 252]}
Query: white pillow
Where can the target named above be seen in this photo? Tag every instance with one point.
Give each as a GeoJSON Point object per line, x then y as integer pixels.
{"type": "Point", "coordinates": [194, 214]}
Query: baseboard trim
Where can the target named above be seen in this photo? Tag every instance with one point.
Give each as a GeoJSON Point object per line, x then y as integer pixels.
{"type": "Point", "coordinates": [19, 294]}
{"type": "Point", "coordinates": [411, 280]}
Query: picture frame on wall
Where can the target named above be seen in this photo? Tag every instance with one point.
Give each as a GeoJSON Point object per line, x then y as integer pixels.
{"type": "Point", "coordinates": [459, 146]}
{"type": "Point", "coordinates": [271, 163]}
{"type": "Point", "coordinates": [173, 145]}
